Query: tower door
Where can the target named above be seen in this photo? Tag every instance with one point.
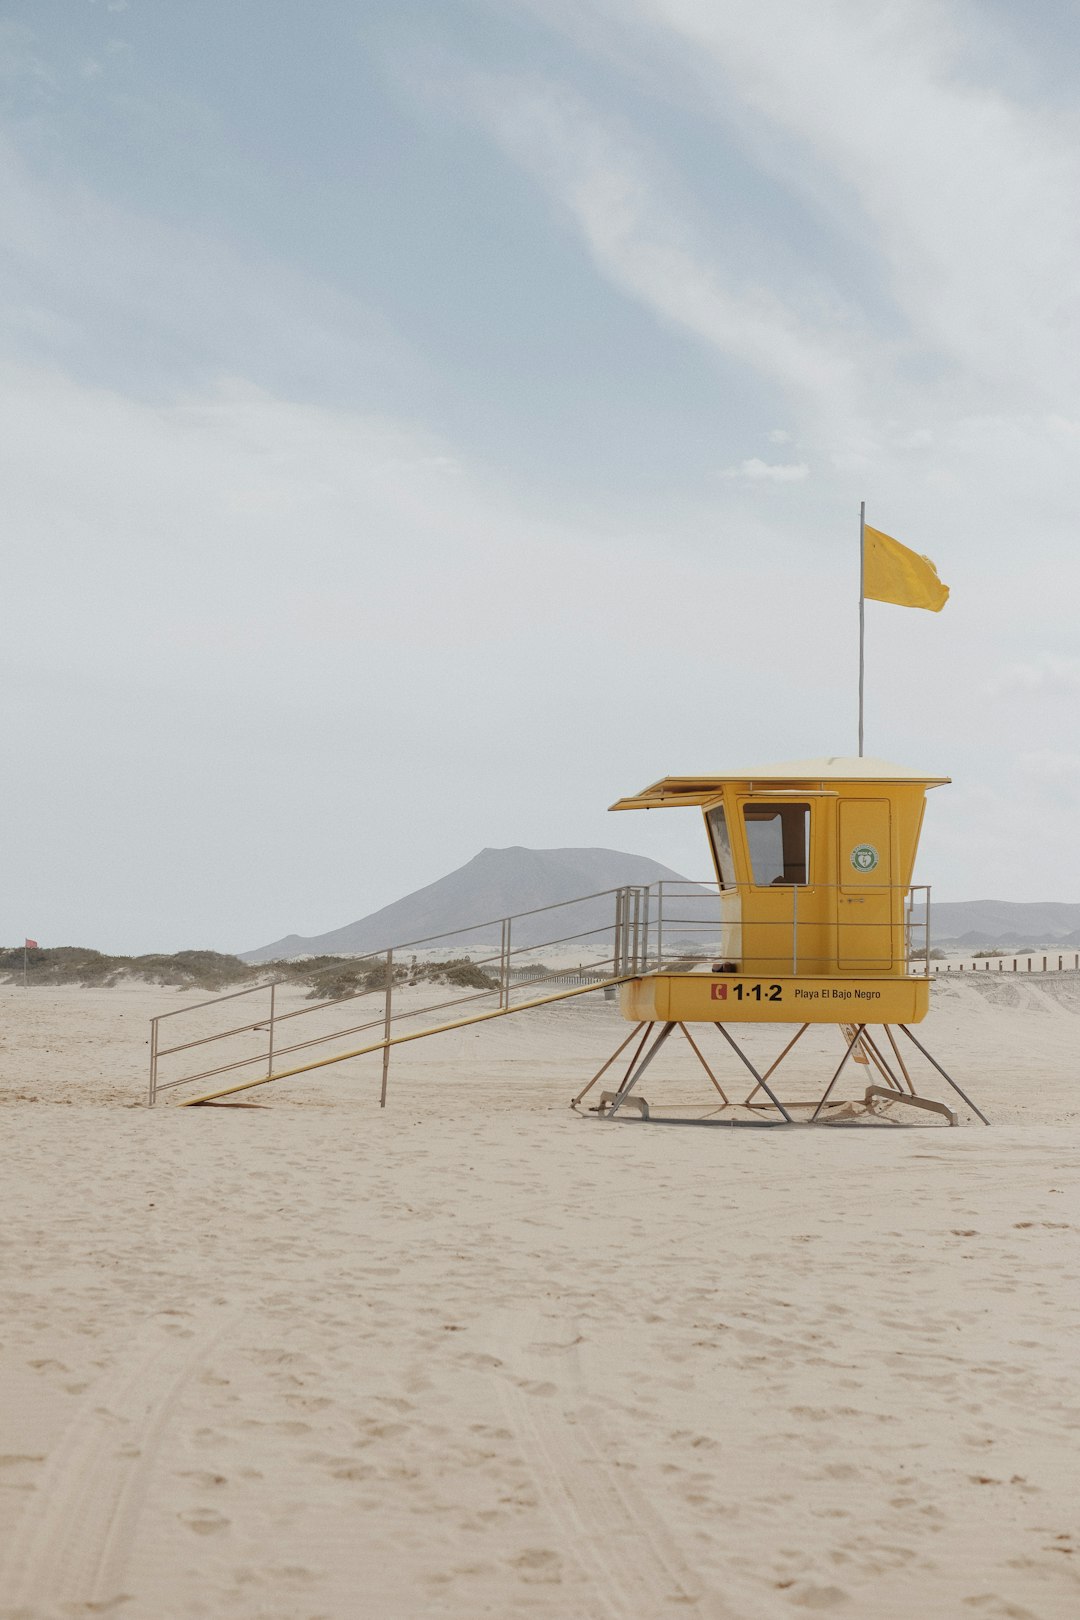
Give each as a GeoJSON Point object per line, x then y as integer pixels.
{"type": "Point", "coordinates": [866, 901]}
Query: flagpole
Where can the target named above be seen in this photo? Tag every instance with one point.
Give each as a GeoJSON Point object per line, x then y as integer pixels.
{"type": "Point", "coordinates": [862, 615]}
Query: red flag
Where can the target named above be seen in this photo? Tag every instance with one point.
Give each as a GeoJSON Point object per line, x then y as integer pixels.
{"type": "Point", "coordinates": [31, 945]}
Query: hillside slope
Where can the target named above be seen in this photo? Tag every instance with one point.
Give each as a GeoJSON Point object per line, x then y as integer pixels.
{"type": "Point", "coordinates": [495, 883]}
{"type": "Point", "coordinates": [1005, 922]}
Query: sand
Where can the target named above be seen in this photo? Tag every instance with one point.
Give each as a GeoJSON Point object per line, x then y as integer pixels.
{"type": "Point", "coordinates": [476, 1356]}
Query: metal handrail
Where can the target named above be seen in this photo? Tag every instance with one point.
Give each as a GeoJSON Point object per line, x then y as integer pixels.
{"type": "Point", "coordinates": [627, 949]}
{"type": "Point", "coordinates": [353, 995]}
{"type": "Point", "coordinates": [352, 1029]}
{"type": "Point", "coordinates": [211, 1001]}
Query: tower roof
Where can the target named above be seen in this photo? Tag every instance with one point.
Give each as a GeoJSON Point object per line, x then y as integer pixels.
{"type": "Point", "coordinates": [808, 774]}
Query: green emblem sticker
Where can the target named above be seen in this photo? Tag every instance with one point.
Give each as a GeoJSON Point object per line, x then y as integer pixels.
{"type": "Point", "coordinates": [864, 857]}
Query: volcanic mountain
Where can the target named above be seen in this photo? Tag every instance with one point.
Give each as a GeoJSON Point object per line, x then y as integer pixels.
{"type": "Point", "coordinates": [494, 884]}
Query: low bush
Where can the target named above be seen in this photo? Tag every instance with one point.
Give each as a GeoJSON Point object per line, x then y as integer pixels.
{"type": "Point", "coordinates": [331, 978]}
{"type": "Point", "coordinates": [77, 965]}
{"type": "Point", "coordinates": [462, 972]}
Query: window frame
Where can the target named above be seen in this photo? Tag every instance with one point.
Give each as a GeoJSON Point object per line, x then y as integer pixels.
{"type": "Point", "coordinates": [780, 803]}
{"type": "Point", "coordinates": [725, 883]}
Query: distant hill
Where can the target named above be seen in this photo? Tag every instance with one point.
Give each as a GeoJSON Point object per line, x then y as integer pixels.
{"type": "Point", "coordinates": [495, 883]}
{"type": "Point", "coordinates": [1004, 922]}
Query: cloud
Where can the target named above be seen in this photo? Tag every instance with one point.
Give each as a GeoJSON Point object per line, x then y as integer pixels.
{"type": "Point", "coordinates": [939, 380]}
{"type": "Point", "coordinates": [912, 409]}
{"type": "Point", "coordinates": [21, 64]}
{"type": "Point", "coordinates": [618, 192]}
{"type": "Point", "coordinates": [879, 117]}
{"type": "Point", "coordinates": [756, 471]}
{"type": "Point", "coordinates": [130, 300]}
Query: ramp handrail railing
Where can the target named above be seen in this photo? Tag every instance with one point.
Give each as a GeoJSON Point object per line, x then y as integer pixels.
{"type": "Point", "coordinates": [617, 947]}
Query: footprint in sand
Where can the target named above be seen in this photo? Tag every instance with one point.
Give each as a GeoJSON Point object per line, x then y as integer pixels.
{"type": "Point", "coordinates": [204, 1521]}
{"type": "Point", "coordinates": [827, 1598]}
{"type": "Point", "coordinates": [538, 1566]}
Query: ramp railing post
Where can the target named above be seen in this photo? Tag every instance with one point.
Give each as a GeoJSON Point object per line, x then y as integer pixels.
{"type": "Point", "coordinates": [506, 974]}
{"type": "Point", "coordinates": [660, 926]}
{"type": "Point", "coordinates": [387, 1015]}
{"type": "Point", "coordinates": [152, 1099]}
{"type": "Point", "coordinates": [914, 928]}
{"type": "Point", "coordinates": [617, 945]}
{"type": "Point", "coordinates": [926, 935]}
{"type": "Point", "coordinates": [270, 1046]}
{"type": "Point", "coordinates": [627, 929]}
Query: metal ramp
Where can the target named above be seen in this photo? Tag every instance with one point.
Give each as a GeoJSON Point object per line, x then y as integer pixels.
{"type": "Point", "coordinates": [398, 1040]}
{"type": "Point", "coordinates": [516, 964]}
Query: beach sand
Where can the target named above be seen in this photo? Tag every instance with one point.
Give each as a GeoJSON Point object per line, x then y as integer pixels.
{"type": "Point", "coordinates": [476, 1356]}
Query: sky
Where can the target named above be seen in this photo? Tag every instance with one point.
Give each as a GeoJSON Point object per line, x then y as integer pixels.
{"type": "Point", "coordinates": [421, 424]}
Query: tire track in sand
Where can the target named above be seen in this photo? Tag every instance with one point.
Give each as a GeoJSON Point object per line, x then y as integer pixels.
{"type": "Point", "coordinates": [607, 1523]}
{"type": "Point", "coordinates": [71, 1544]}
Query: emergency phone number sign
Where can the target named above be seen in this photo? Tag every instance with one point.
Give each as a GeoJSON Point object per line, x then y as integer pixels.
{"type": "Point", "coordinates": [736, 990]}
{"type": "Point", "coordinates": [721, 990]}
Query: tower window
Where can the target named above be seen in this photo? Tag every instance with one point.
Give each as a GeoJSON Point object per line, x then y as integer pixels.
{"type": "Point", "coordinates": [716, 821]}
{"type": "Point", "coordinates": [778, 837]}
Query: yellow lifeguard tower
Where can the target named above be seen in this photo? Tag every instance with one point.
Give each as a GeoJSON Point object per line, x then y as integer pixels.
{"type": "Point", "coordinates": [820, 924]}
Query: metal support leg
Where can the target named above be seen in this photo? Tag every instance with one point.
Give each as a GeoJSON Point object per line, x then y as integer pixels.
{"type": "Point", "coordinates": [943, 1074]}
{"type": "Point", "coordinates": [761, 1080]}
{"type": "Point", "coordinates": [649, 1027]}
{"type": "Point", "coordinates": [628, 1084]}
{"type": "Point", "coordinates": [619, 1050]}
{"type": "Point", "coordinates": [701, 1059]}
{"type": "Point", "coordinates": [776, 1064]}
{"type": "Point", "coordinates": [843, 1061]}
{"type": "Point", "coordinates": [900, 1062]}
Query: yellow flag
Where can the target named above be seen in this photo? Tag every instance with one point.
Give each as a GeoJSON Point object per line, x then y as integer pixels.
{"type": "Point", "coordinates": [892, 573]}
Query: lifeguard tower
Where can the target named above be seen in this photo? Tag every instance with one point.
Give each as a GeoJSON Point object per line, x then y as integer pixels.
{"type": "Point", "coordinates": [819, 924]}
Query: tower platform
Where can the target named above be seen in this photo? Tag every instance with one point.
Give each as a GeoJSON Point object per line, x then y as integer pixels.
{"type": "Point", "coordinates": [699, 998]}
